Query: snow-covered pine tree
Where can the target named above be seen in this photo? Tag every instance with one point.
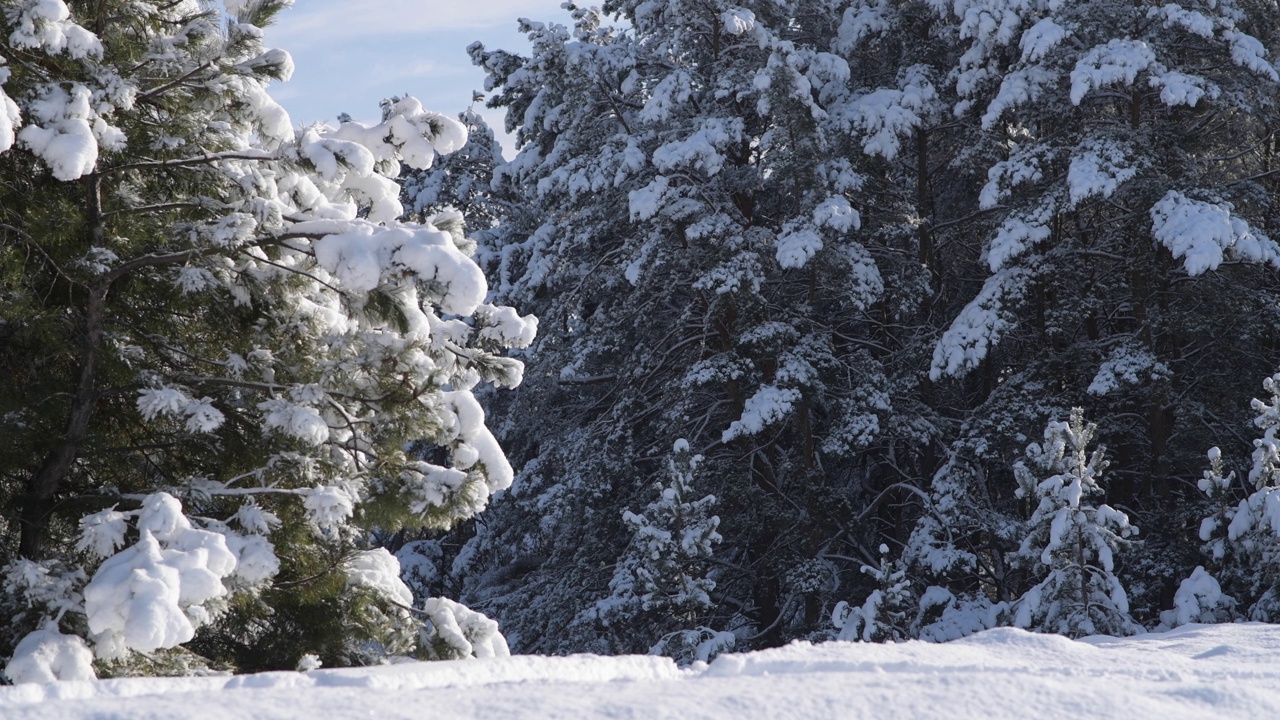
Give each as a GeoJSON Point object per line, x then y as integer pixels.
{"type": "Point", "coordinates": [1022, 174]}
{"type": "Point", "coordinates": [1242, 536]}
{"type": "Point", "coordinates": [1126, 205]}
{"type": "Point", "coordinates": [886, 613]}
{"type": "Point", "coordinates": [736, 304]}
{"type": "Point", "coordinates": [219, 344]}
{"type": "Point", "coordinates": [1070, 543]}
{"type": "Point", "coordinates": [661, 585]}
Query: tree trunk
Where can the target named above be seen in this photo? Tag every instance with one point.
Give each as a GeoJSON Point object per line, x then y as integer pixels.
{"type": "Point", "coordinates": [44, 483]}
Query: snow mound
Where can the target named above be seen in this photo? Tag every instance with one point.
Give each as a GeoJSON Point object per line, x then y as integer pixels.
{"type": "Point", "coordinates": [1197, 671]}
{"type": "Point", "coordinates": [47, 656]}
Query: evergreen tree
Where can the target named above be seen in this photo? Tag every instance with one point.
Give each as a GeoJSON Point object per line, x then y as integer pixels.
{"type": "Point", "coordinates": [1242, 536]}
{"type": "Point", "coordinates": [736, 303]}
{"type": "Point", "coordinates": [858, 252]}
{"type": "Point", "coordinates": [662, 579]}
{"type": "Point", "coordinates": [1073, 540]}
{"type": "Point", "coordinates": [885, 613]}
{"type": "Point", "coordinates": [221, 346]}
{"type": "Point", "coordinates": [1125, 213]}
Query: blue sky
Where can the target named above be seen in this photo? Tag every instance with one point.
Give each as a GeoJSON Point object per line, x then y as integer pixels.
{"type": "Point", "coordinates": [352, 53]}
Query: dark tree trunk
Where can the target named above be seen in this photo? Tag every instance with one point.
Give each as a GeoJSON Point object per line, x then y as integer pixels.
{"type": "Point", "coordinates": [45, 482]}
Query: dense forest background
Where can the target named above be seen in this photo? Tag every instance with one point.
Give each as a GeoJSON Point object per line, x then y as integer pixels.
{"type": "Point", "coordinates": [858, 319]}
{"type": "Point", "coordinates": [858, 255]}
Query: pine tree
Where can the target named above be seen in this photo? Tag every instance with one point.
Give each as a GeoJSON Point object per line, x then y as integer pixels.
{"type": "Point", "coordinates": [662, 577]}
{"type": "Point", "coordinates": [1242, 536]}
{"type": "Point", "coordinates": [885, 614]}
{"type": "Point", "coordinates": [736, 303]}
{"type": "Point", "coordinates": [1071, 540]}
{"type": "Point", "coordinates": [1124, 254]}
{"type": "Point", "coordinates": [220, 347]}
{"type": "Point", "coordinates": [858, 252]}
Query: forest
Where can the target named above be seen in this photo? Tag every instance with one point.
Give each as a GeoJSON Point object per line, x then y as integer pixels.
{"type": "Point", "coordinates": [863, 320]}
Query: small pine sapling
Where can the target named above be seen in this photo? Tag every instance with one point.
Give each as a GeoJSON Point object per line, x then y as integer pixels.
{"type": "Point", "coordinates": [1070, 540]}
{"type": "Point", "coordinates": [663, 573]}
{"type": "Point", "coordinates": [1247, 554]}
{"type": "Point", "coordinates": [885, 614]}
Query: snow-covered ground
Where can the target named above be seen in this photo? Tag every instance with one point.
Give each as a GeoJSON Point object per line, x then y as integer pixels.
{"type": "Point", "coordinates": [1207, 671]}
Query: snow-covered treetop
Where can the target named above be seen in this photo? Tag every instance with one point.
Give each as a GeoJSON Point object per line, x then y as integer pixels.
{"type": "Point", "coordinates": [1078, 100]}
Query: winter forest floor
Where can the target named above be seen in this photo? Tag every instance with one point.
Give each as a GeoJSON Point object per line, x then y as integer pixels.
{"type": "Point", "coordinates": [1198, 671]}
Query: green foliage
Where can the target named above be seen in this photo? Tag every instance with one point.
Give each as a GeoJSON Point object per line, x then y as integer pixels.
{"type": "Point", "coordinates": [191, 351]}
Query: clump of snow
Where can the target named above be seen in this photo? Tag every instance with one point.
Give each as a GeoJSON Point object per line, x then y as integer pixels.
{"type": "Point", "coordinates": [951, 618]}
{"type": "Point", "coordinates": [860, 21]}
{"type": "Point", "coordinates": [256, 560]}
{"type": "Point", "coordinates": [1119, 61]}
{"type": "Point", "coordinates": [1098, 170]}
{"type": "Point", "coordinates": [46, 24]}
{"type": "Point", "coordinates": [65, 132]}
{"type": "Point", "coordinates": [47, 655]}
{"type": "Point", "coordinates": [151, 595]}
{"type": "Point", "coordinates": [1249, 52]}
{"type": "Point", "coordinates": [47, 584]}
{"type": "Point", "coordinates": [1019, 233]}
{"type": "Point", "coordinates": [329, 506]}
{"type": "Point", "coordinates": [309, 662]}
{"type": "Point", "coordinates": [458, 632]}
{"type": "Point", "coordinates": [700, 644]}
{"type": "Point", "coordinates": [797, 247]}
{"type": "Point", "coordinates": [980, 325]}
{"type": "Point", "coordinates": [738, 21]}
{"type": "Point", "coordinates": [161, 401]}
{"type": "Point", "coordinates": [836, 213]}
{"type": "Point", "coordinates": [274, 62]}
{"type": "Point", "coordinates": [1181, 89]}
{"type": "Point", "coordinates": [769, 405]}
{"type": "Point", "coordinates": [194, 279]}
{"type": "Point", "coordinates": [1192, 21]}
{"type": "Point", "coordinates": [1126, 365]}
{"type": "Point", "coordinates": [201, 416]}
{"type": "Point", "coordinates": [102, 533]}
{"type": "Point", "coordinates": [1203, 234]}
{"type": "Point", "coordinates": [464, 424]}
{"type": "Point", "coordinates": [701, 150]}
{"type": "Point", "coordinates": [256, 520]}
{"type": "Point", "coordinates": [1023, 166]}
{"type": "Point", "coordinates": [645, 202]}
{"type": "Point", "coordinates": [1018, 88]}
{"type": "Point", "coordinates": [378, 571]}
{"type": "Point", "coordinates": [884, 115]}
{"type": "Point", "coordinates": [506, 326]}
{"type": "Point", "coordinates": [10, 116]}
{"type": "Point", "coordinates": [1040, 38]}
{"type": "Point", "coordinates": [430, 486]}
{"type": "Point", "coordinates": [299, 421]}
{"type": "Point", "coordinates": [1199, 599]}
{"type": "Point", "coordinates": [361, 254]}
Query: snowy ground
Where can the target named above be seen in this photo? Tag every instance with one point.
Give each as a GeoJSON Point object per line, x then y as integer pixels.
{"type": "Point", "coordinates": [1223, 671]}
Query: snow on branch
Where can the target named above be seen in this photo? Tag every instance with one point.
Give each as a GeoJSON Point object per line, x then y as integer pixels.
{"type": "Point", "coordinates": [1203, 234]}
{"type": "Point", "coordinates": [980, 325]}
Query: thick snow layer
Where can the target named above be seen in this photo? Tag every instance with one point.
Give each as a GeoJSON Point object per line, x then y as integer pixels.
{"type": "Point", "coordinates": [47, 655]}
{"type": "Point", "coordinates": [1198, 671]}
{"type": "Point", "coordinates": [151, 595]}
